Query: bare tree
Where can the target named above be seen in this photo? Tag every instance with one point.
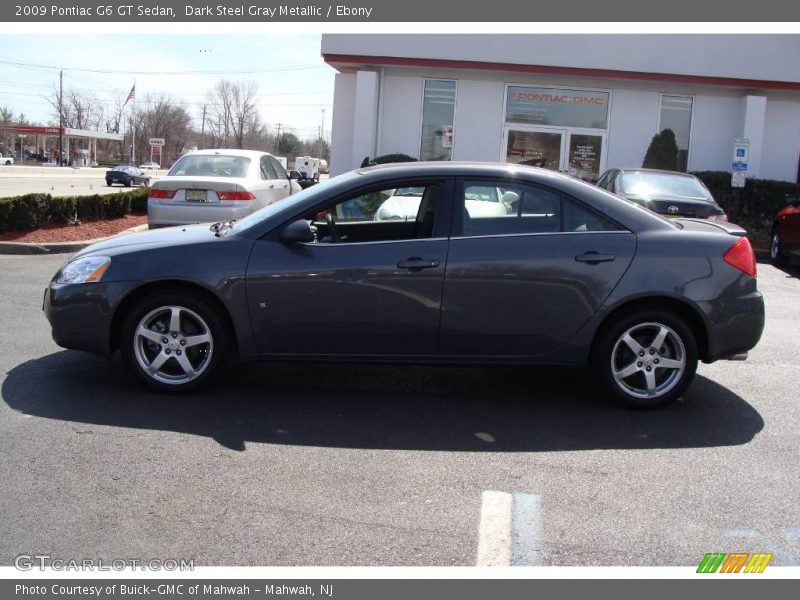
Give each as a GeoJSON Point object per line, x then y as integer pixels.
{"type": "Point", "coordinates": [81, 110]}
{"type": "Point", "coordinates": [232, 115]}
{"type": "Point", "coordinates": [162, 117]}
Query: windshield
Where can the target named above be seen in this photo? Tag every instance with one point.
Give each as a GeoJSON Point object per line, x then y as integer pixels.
{"type": "Point", "coordinates": [663, 184]}
{"type": "Point", "coordinates": [287, 205]}
{"type": "Point", "coordinates": [213, 165]}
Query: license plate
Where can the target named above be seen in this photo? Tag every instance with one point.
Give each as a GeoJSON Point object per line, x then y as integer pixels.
{"type": "Point", "coordinates": [196, 195]}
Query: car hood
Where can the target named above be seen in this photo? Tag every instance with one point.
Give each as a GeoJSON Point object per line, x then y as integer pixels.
{"type": "Point", "coordinates": [168, 236]}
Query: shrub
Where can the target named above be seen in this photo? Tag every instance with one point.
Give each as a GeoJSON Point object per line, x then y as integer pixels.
{"type": "Point", "coordinates": [23, 212]}
{"type": "Point", "coordinates": [760, 199]}
{"type": "Point", "coordinates": [33, 210]}
{"type": "Point", "coordinates": [662, 152]}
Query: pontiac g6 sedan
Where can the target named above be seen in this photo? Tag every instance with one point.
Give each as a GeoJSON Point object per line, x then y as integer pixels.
{"type": "Point", "coordinates": [567, 274]}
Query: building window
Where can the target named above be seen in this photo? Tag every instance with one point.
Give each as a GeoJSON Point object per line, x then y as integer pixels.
{"type": "Point", "coordinates": [676, 114]}
{"type": "Point", "coordinates": [438, 108]}
{"type": "Point", "coordinates": [559, 107]}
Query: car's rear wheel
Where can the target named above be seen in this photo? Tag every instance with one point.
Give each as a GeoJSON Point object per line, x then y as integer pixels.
{"type": "Point", "coordinates": [776, 250]}
{"type": "Point", "coordinates": [647, 359]}
{"type": "Point", "coordinates": [172, 342]}
{"type": "Point", "coordinates": [108, 182]}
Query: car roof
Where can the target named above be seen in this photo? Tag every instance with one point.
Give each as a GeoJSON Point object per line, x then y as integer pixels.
{"type": "Point", "coordinates": [228, 152]}
{"type": "Point", "coordinates": [656, 172]}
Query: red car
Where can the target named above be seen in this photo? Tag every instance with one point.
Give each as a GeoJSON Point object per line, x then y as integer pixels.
{"type": "Point", "coordinates": [785, 241]}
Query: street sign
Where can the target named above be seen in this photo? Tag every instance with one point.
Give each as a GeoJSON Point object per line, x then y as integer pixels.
{"type": "Point", "coordinates": [156, 141]}
{"type": "Point", "coordinates": [739, 166]}
{"type": "Point", "coordinates": [738, 179]}
{"type": "Point", "coordinates": [741, 150]}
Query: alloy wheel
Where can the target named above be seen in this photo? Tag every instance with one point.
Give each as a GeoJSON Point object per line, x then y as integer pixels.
{"type": "Point", "coordinates": [648, 360]}
{"type": "Point", "coordinates": [775, 247]}
{"type": "Point", "coordinates": [173, 345]}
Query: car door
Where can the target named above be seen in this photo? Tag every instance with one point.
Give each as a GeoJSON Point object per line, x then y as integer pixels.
{"type": "Point", "coordinates": [282, 182]}
{"type": "Point", "coordinates": [524, 283]}
{"type": "Point", "coordinates": [375, 292]}
{"type": "Point", "coordinates": [269, 190]}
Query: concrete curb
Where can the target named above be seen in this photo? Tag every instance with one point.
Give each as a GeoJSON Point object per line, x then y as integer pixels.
{"type": "Point", "coordinates": [29, 248]}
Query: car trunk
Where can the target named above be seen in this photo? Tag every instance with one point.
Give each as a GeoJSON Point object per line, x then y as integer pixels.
{"type": "Point", "coordinates": [708, 226]}
{"type": "Point", "coordinates": [679, 207]}
{"type": "Point", "coordinates": [197, 185]}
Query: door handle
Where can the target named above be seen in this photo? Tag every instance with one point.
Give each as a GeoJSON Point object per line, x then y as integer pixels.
{"type": "Point", "coordinates": [417, 264]}
{"type": "Point", "coordinates": [594, 257]}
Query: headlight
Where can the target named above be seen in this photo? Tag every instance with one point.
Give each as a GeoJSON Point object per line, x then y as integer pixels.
{"type": "Point", "coordinates": [84, 270]}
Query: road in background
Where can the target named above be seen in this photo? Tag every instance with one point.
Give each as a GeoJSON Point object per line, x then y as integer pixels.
{"type": "Point", "coordinates": [16, 181]}
{"type": "Point", "coordinates": [387, 465]}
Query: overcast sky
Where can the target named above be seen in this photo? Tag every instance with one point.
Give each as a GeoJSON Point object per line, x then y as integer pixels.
{"type": "Point", "coordinates": [294, 84]}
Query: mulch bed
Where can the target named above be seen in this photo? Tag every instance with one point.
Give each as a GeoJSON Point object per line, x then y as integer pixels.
{"type": "Point", "coordinates": [88, 230]}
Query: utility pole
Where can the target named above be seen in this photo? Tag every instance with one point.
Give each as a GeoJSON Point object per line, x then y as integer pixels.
{"type": "Point", "coordinates": [203, 128]}
{"type": "Point", "coordinates": [278, 126]}
{"type": "Point", "coordinates": [60, 118]}
{"type": "Point", "coordinates": [321, 133]}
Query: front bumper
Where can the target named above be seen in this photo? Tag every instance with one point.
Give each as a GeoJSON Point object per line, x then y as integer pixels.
{"type": "Point", "coordinates": [81, 315]}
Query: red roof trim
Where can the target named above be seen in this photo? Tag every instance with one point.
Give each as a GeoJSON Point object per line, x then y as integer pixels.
{"type": "Point", "coordinates": [548, 70]}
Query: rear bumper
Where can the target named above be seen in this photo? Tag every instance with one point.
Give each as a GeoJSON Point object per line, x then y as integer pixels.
{"type": "Point", "coordinates": [165, 214]}
{"type": "Point", "coordinates": [735, 325]}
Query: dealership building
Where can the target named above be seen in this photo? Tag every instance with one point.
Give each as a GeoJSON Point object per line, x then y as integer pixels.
{"type": "Point", "coordinates": [574, 103]}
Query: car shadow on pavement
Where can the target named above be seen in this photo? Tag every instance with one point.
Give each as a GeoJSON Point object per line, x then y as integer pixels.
{"type": "Point", "coordinates": [494, 409]}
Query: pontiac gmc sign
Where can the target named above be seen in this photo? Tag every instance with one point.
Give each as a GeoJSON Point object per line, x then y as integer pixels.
{"type": "Point", "coordinates": [561, 107]}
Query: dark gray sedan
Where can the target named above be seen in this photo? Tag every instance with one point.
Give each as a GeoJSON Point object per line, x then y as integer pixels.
{"type": "Point", "coordinates": [551, 270]}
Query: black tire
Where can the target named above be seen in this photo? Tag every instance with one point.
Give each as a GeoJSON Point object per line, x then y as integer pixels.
{"type": "Point", "coordinates": [109, 183]}
{"type": "Point", "coordinates": [128, 183]}
{"type": "Point", "coordinates": [644, 324]}
{"type": "Point", "coordinates": [132, 352]}
{"type": "Point", "coordinates": [776, 254]}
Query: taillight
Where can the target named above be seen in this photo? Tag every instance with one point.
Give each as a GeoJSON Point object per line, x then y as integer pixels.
{"type": "Point", "coordinates": [741, 256]}
{"type": "Point", "coordinates": [228, 196]}
{"type": "Point", "coordinates": [161, 194]}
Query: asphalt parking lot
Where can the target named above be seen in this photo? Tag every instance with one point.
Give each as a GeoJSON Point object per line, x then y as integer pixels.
{"type": "Point", "coordinates": [386, 465]}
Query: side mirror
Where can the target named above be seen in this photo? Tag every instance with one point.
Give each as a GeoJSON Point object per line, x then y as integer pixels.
{"type": "Point", "coordinates": [297, 232]}
{"type": "Point", "coordinates": [294, 175]}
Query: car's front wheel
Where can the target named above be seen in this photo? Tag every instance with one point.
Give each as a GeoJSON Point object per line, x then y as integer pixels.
{"type": "Point", "coordinates": [647, 359]}
{"type": "Point", "coordinates": [108, 182]}
{"type": "Point", "coordinates": [172, 342]}
{"type": "Point", "coordinates": [776, 250]}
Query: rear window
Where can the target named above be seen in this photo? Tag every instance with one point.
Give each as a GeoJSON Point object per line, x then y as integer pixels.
{"type": "Point", "coordinates": [663, 184]}
{"type": "Point", "coordinates": [212, 165]}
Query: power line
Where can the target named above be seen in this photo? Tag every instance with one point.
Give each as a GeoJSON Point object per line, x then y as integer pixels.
{"type": "Point", "coordinates": [17, 63]}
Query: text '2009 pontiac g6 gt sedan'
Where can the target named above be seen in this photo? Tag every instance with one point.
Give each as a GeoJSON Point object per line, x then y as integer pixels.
{"type": "Point", "coordinates": [559, 272]}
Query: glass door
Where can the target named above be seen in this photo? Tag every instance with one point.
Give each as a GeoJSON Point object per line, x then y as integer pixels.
{"type": "Point", "coordinates": [577, 152]}
{"type": "Point", "coordinates": [535, 146]}
{"type": "Point", "coordinates": [584, 156]}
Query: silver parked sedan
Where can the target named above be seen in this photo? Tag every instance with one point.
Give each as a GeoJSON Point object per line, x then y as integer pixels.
{"type": "Point", "coordinates": [217, 185]}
